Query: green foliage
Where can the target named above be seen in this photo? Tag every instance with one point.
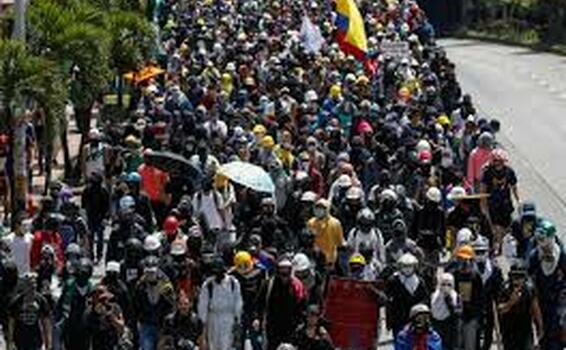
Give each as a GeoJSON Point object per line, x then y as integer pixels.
{"type": "Point", "coordinates": [132, 42]}
{"type": "Point", "coordinates": [25, 76]}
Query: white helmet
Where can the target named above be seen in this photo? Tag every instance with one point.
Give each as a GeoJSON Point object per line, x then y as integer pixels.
{"type": "Point", "coordinates": [457, 192]}
{"type": "Point", "coordinates": [433, 194]}
{"type": "Point", "coordinates": [151, 243]}
{"type": "Point", "coordinates": [464, 236]}
{"type": "Point", "coordinates": [94, 134]}
{"type": "Point", "coordinates": [311, 96]}
{"type": "Point", "coordinates": [301, 262]}
{"type": "Point", "coordinates": [418, 309]}
{"type": "Point", "coordinates": [423, 145]}
{"type": "Point", "coordinates": [408, 259]}
{"type": "Point", "coordinates": [388, 193]}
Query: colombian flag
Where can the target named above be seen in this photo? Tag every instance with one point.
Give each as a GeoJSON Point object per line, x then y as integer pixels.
{"type": "Point", "coordinates": [350, 32]}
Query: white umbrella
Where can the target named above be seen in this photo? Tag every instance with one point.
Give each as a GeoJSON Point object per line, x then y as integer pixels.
{"type": "Point", "coordinates": [248, 175]}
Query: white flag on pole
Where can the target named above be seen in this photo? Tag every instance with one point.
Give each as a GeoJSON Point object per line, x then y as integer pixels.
{"type": "Point", "coordinates": [310, 36]}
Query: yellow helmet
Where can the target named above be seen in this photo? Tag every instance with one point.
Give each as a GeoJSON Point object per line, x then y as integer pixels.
{"type": "Point", "coordinates": [259, 129]}
{"type": "Point", "coordinates": [357, 258]}
{"type": "Point", "coordinates": [267, 142]}
{"type": "Point", "coordinates": [335, 91]}
{"type": "Point", "coordinates": [243, 261]}
{"type": "Point", "coordinates": [443, 120]}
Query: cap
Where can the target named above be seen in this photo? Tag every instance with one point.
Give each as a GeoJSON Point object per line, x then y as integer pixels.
{"type": "Point", "coordinates": [113, 266]}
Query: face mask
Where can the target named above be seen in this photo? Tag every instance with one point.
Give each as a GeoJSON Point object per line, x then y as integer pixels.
{"type": "Point", "coordinates": [446, 289]}
{"type": "Point", "coordinates": [421, 325]}
{"type": "Point", "coordinates": [407, 271]}
{"type": "Point", "coordinates": [320, 213]}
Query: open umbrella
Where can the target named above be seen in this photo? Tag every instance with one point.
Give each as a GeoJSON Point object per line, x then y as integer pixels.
{"type": "Point", "coordinates": [174, 164]}
{"type": "Point", "coordinates": [248, 175]}
{"type": "Point", "coordinates": [144, 74]}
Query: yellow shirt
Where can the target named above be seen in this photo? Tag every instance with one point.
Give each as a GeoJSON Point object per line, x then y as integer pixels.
{"type": "Point", "coordinates": [329, 235]}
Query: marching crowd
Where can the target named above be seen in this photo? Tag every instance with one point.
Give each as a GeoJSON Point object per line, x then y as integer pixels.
{"type": "Point", "coordinates": [382, 170]}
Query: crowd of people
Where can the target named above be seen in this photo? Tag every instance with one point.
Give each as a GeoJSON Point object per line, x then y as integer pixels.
{"type": "Point", "coordinates": [383, 173]}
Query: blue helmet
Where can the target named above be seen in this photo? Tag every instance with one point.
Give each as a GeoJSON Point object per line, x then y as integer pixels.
{"type": "Point", "coordinates": [133, 178]}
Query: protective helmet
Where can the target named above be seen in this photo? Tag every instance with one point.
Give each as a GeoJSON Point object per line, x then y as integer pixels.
{"type": "Point", "coordinates": [267, 142]}
{"type": "Point", "coordinates": [259, 129]}
{"type": "Point", "coordinates": [433, 194]}
{"type": "Point", "coordinates": [311, 96]}
{"type": "Point", "coordinates": [408, 259]}
{"type": "Point", "coordinates": [171, 224]}
{"type": "Point", "coordinates": [335, 91]}
{"type": "Point", "coordinates": [178, 248]}
{"type": "Point", "coordinates": [444, 120]}
{"type": "Point", "coordinates": [73, 249]}
{"type": "Point", "coordinates": [465, 252]}
{"type": "Point", "coordinates": [242, 260]}
{"type": "Point", "coordinates": [127, 202]}
{"type": "Point", "coordinates": [388, 194]}
{"type": "Point", "coordinates": [133, 244]}
{"type": "Point", "coordinates": [357, 258]}
{"type": "Point", "coordinates": [133, 178]}
{"type": "Point", "coordinates": [354, 193]}
{"type": "Point", "coordinates": [151, 243]}
{"type": "Point", "coordinates": [545, 228]}
{"type": "Point", "coordinates": [423, 145]}
{"type": "Point", "coordinates": [456, 193]}
{"type": "Point", "coordinates": [365, 216]}
{"type": "Point", "coordinates": [301, 262]}
{"type": "Point", "coordinates": [485, 140]}
{"type": "Point", "coordinates": [464, 236]}
{"type": "Point", "coordinates": [418, 309]}
{"type": "Point", "coordinates": [309, 197]}
{"type": "Point", "coordinates": [481, 244]}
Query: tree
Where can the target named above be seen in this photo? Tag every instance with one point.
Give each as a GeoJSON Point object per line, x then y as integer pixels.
{"type": "Point", "coordinates": [27, 80]}
{"type": "Point", "coordinates": [132, 44]}
{"type": "Point", "coordinates": [74, 35]}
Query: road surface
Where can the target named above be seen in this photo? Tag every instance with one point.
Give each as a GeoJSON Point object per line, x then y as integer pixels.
{"type": "Point", "coordinates": [526, 91]}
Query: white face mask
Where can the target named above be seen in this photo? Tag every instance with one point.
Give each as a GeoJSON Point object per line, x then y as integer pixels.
{"type": "Point", "coordinates": [320, 213]}
{"type": "Point", "coordinates": [407, 270]}
{"type": "Point", "coordinates": [446, 289]}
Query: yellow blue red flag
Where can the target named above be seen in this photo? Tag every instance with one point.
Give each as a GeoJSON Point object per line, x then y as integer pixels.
{"type": "Point", "coordinates": [350, 31]}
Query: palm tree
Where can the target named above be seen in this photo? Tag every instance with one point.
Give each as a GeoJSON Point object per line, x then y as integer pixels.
{"type": "Point", "coordinates": [27, 80]}
{"type": "Point", "coordinates": [73, 35]}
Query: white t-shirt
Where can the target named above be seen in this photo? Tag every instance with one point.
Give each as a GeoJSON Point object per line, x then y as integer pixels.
{"type": "Point", "coordinates": [209, 207]}
{"type": "Point", "coordinates": [20, 250]}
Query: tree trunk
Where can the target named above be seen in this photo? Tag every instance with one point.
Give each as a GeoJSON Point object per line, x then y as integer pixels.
{"type": "Point", "coordinates": [20, 168]}
{"type": "Point", "coordinates": [48, 166]}
{"type": "Point", "coordinates": [120, 92]}
{"type": "Point", "coordinates": [83, 116]}
{"type": "Point", "coordinates": [66, 153]}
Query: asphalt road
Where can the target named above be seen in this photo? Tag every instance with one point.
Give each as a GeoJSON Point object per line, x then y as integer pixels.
{"type": "Point", "coordinates": [526, 91]}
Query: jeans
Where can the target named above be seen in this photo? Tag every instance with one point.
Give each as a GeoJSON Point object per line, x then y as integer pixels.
{"type": "Point", "coordinates": [469, 334]}
{"type": "Point", "coordinates": [148, 336]}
